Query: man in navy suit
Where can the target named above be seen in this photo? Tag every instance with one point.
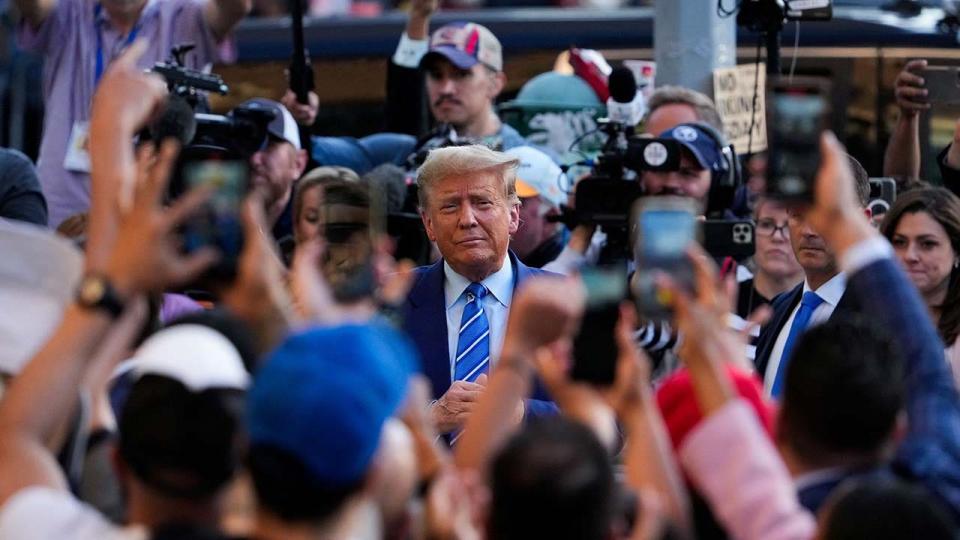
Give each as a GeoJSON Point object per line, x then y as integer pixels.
{"type": "Point", "coordinates": [871, 400]}
{"type": "Point", "coordinates": [816, 300]}
{"type": "Point", "coordinates": [456, 311]}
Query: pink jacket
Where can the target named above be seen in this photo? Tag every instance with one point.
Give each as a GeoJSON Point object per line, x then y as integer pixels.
{"type": "Point", "coordinates": [732, 463]}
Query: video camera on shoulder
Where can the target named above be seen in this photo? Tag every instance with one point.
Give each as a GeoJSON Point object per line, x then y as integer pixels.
{"type": "Point", "coordinates": [215, 150]}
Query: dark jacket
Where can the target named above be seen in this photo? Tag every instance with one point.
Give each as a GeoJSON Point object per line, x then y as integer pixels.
{"type": "Point", "coordinates": [783, 306]}
{"type": "Point", "coordinates": [425, 320]}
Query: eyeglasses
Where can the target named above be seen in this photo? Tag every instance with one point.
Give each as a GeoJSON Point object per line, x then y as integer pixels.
{"type": "Point", "coordinates": [769, 227]}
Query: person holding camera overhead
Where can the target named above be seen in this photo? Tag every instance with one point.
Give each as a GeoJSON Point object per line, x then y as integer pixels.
{"type": "Point", "coordinates": [78, 40]}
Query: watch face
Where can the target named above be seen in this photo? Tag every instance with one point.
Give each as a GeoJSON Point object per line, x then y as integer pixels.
{"type": "Point", "coordinates": [91, 291]}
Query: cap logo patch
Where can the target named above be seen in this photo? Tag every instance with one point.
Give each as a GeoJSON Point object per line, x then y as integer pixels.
{"type": "Point", "coordinates": [685, 133]}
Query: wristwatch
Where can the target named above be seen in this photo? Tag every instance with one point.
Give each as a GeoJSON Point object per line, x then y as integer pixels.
{"type": "Point", "coordinates": [95, 292]}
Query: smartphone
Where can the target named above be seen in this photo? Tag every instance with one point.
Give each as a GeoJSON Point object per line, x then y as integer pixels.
{"type": "Point", "coordinates": [883, 193]}
{"type": "Point", "coordinates": [351, 224]}
{"type": "Point", "coordinates": [799, 112]}
{"type": "Point", "coordinates": [729, 238]}
{"type": "Point", "coordinates": [664, 228]}
{"type": "Point", "coordinates": [942, 84]}
{"type": "Point", "coordinates": [595, 345]}
{"type": "Point", "coordinates": [218, 223]}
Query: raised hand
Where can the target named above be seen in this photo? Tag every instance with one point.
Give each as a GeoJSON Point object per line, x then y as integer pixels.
{"type": "Point", "coordinates": [909, 90]}
{"type": "Point", "coordinates": [544, 310]}
{"type": "Point", "coordinates": [146, 256]}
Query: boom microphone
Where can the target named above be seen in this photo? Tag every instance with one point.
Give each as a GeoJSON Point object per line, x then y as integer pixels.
{"type": "Point", "coordinates": [626, 105]}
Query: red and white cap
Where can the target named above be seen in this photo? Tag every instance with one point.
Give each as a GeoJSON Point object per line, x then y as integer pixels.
{"type": "Point", "coordinates": [466, 44]}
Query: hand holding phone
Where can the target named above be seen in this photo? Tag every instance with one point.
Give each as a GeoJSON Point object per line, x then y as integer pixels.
{"type": "Point", "coordinates": [595, 345]}
{"type": "Point", "coordinates": [218, 223]}
{"type": "Point", "coordinates": [665, 227]}
{"type": "Point", "coordinates": [729, 238]}
{"type": "Point", "coordinates": [909, 89]}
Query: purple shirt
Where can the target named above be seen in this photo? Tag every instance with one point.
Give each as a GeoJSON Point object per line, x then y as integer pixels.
{"type": "Point", "coordinates": [67, 39]}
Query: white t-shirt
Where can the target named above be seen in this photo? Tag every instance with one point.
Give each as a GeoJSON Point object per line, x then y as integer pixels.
{"type": "Point", "coordinates": [41, 513]}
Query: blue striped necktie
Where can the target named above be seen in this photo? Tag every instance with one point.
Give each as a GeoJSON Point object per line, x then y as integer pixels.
{"type": "Point", "coordinates": [809, 303]}
{"type": "Point", "coordinates": [473, 344]}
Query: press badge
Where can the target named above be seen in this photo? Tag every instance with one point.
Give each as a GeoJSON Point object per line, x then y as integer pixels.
{"type": "Point", "coordinates": [78, 158]}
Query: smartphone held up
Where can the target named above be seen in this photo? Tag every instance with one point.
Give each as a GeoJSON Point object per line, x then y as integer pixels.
{"type": "Point", "coordinates": [799, 112]}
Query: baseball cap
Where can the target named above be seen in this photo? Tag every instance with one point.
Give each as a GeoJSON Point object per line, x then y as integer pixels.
{"type": "Point", "coordinates": [195, 355]}
{"type": "Point", "coordinates": [324, 395]}
{"type": "Point", "coordinates": [466, 44]}
{"type": "Point", "coordinates": [283, 126]}
{"type": "Point", "coordinates": [705, 149]}
{"type": "Point", "coordinates": [39, 273]}
{"type": "Point", "coordinates": [537, 174]}
{"type": "Point", "coordinates": [181, 425]}
{"type": "Point", "coordinates": [681, 412]}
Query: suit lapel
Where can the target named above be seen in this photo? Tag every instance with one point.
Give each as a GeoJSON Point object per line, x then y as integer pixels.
{"type": "Point", "coordinates": [774, 327]}
{"type": "Point", "coordinates": [427, 325]}
{"type": "Point", "coordinates": [846, 306]}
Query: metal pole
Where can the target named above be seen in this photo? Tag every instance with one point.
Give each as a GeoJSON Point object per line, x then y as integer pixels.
{"type": "Point", "coordinates": [690, 40]}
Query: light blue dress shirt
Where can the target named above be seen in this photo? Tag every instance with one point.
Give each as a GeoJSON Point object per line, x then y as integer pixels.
{"type": "Point", "coordinates": [496, 307]}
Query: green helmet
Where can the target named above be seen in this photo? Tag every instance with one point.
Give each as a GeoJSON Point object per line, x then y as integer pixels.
{"type": "Point", "coordinates": [554, 110]}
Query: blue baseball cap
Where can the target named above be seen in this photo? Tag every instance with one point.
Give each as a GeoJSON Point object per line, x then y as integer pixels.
{"type": "Point", "coordinates": [324, 394]}
{"type": "Point", "coordinates": [706, 149]}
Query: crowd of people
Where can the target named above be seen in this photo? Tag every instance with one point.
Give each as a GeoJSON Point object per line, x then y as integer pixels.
{"type": "Point", "coordinates": [310, 384]}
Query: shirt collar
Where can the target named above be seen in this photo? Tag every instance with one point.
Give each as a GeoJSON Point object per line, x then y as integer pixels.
{"type": "Point", "coordinates": [831, 291]}
{"type": "Point", "coordinates": [102, 18]}
{"type": "Point", "coordinates": [499, 283]}
{"type": "Point", "coordinates": [819, 476]}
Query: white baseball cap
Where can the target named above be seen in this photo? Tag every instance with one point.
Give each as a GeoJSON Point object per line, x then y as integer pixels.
{"type": "Point", "coordinates": [537, 174]}
{"type": "Point", "coordinates": [39, 273]}
{"type": "Point", "coordinates": [195, 355]}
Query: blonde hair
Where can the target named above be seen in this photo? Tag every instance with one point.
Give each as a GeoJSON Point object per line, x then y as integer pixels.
{"type": "Point", "coordinates": [319, 176]}
{"type": "Point", "coordinates": [469, 160]}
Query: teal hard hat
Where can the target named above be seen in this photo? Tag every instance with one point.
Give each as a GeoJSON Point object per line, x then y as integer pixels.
{"type": "Point", "coordinates": [557, 111]}
{"type": "Point", "coordinates": [554, 89]}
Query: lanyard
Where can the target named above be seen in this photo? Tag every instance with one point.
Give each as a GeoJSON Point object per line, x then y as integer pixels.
{"type": "Point", "coordinates": [96, 26]}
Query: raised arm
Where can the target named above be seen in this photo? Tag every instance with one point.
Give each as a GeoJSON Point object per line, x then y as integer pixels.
{"type": "Point", "coordinates": [405, 108]}
{"type": "Point", "coordinates": [142, 257]}
{"type": "Point", "coordinates": [930, 451]}
{"type": "Point", "coordinates": [727, 456]}
{"type": "Point", "coordinates": [545, 310]}
{"type": "Point", "coordinates": [902, 157]}
{"type": "Point", "coordinates": [223, 15]}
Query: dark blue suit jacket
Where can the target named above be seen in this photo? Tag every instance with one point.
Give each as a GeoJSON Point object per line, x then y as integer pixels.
{"type": "Point", "coordinates": [425, 320]}
{"type": "Point", "coordinates": [929, 452]}
{"type": "Point", "coordinates": [783, 305]}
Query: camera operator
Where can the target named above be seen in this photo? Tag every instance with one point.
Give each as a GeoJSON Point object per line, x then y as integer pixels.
{"type": "Point", "coordinates": [275, 168]}
{"type": "Point", "coordinates": [668, 107]}
{"type": "Point", "coordinates": [78, 40]}
{"type": "Point", "coordinates": [701, 160]}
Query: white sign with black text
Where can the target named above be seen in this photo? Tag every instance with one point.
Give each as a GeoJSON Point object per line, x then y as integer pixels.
{"type": "Point", "coordinates": [739, 93]}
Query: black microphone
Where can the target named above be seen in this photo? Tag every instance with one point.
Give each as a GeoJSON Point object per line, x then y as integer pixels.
{"type": "Point", "coordinates": [625, 105]}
